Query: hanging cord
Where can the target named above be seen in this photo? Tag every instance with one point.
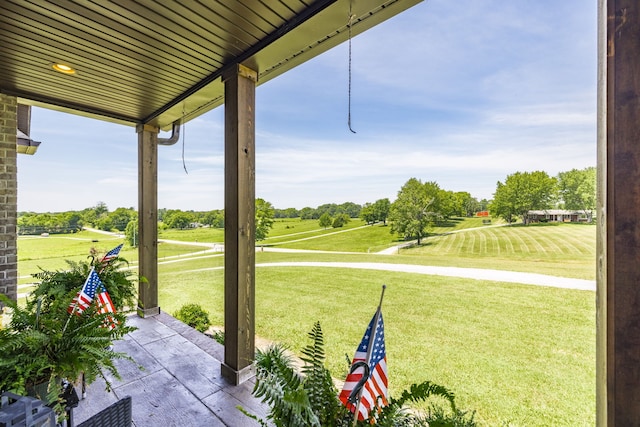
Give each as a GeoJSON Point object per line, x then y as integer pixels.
{"type": "Point", "coordinates": [184, 165]}
{"type": "Point", "coordinates": [351, 16]}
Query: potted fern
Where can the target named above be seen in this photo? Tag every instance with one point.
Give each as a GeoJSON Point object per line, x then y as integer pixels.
{"type": "Point", "coordinates": [309, 397]}
{"type": "Point", "coordinates": [44, 345]}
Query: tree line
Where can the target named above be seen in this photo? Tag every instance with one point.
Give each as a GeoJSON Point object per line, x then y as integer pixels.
{"type": "Point", "coordinates": [418, 206]}
{"type": "Point", "coordinates": [522, 192]}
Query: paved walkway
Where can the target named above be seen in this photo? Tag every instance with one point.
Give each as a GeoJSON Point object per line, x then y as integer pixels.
{"type": "Point", "coordinates": [175, 380]}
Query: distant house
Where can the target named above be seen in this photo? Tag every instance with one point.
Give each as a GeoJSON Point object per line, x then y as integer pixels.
{"type": "Point", "coordinates": [555, 215]}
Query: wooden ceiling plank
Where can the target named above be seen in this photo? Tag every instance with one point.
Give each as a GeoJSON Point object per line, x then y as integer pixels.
{"type": "Point", "coordinates": [282, 9]}
{"type": "Point", "coordinates": [232, 24]}
{"type": "Point", "coordinates": [42, 59]}
{"type": "Point", "coordinates": [110, 18]}
{"type": "Point", "coordinates": [129, 42]}
{"type": "Point", "coordinates": [192, 35]}
{"type": "Point", "coordinates": [101, 96]}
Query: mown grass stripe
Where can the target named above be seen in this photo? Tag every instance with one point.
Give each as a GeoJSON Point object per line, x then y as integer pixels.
{"type": "Point", "coordinates": [460, 241]}
{"type": "Point", "coordinates": [532, 240]}
{"type": "Point", "coordinates": [521, 245]}
{"type": "Point", "coordinates": [471, 247]}
{"type": "Point", "coordinates": [566, 245]}
{"type": "Point", "coordinates": [449, 240]}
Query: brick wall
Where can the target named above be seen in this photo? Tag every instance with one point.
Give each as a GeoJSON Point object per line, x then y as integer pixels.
{"type": "Point", "coordinates": [8, 197]}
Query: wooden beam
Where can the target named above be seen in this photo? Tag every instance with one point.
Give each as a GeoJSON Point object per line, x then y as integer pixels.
{"type": "Point", "coordinates": [618, 269]}
{"type": "Point", "coordinates": [239, 236]}
{"type": "Point", "coordinates": [148, 220]}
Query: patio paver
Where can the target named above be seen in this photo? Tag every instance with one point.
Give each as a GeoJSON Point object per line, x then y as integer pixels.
{"type": "Point", "coordinates": [175, 380]}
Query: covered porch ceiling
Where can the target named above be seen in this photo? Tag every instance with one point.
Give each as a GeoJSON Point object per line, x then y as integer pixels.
{"type": "Point", "coordinates": [157, 62]}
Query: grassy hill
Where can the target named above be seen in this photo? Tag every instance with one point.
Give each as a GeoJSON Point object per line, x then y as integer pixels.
{"type": "Point", "coordinates": [517, 354]}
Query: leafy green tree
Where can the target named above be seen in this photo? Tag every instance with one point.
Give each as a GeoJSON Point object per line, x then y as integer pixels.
{"type": "Point", "coordinates": [381, 209]}
{"type": "Point", "coordinates": [131, 233]}
{"type": "Point", "coordinates": [94, 214]}
{"type": "Point", "coordinates": [350, 208]}
{"type": "Point", "coordinates": [522, 192]}
{"type": "Point", "coordinates": [307, 213]}
{"type": "Point", "coordinates": [577, 189]}
{"type": "Point", "coordinates": [178, 219]}
{"type": "Point", "coordinates": [330, 208]}
{"type": "Point", "coordinates": [101, 209]}
{"type": "Point", "coordinates": [325, 220]}
{"type": "Point", "coordinates": [463, 203]}
{"type": "Point", "coordinates": [264, 218]}
{"type": "Point", "coordinates": [63, 222]}
{"type": "Point", "coordinates": [89, 217]}
{"type": "Point", "coordinates": [121, 217]}
{"type": "Point", "coordinates": [471, 206]}
{"type": "Point", "coordinates": [73, 220]}
{"type": "Point", "coordinates": [104, 223]}
{"type": "Point", "coordinates": [287, 213]}
{"type": "Point", "coordinates": [341, 220]}
{"type": "Point", "coordinates": [415, 210]}
{"type": "Point", "coordinates": [448, 204]}
{"type": "Point", "coordinates": [368, 214]}
{"type": "Point", "coordinates": [213, 218]}
{"type": "Point", "coordinates": [291, 213]}
{"type": "Point", "coordinates": [502, 204]}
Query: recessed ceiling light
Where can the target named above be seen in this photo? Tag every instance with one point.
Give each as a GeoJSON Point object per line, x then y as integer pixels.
{"type": "Point", "coordinates": [63, 68]}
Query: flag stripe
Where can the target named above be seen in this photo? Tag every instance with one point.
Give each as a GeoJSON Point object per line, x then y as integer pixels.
{"type": "Point", "coordinates": [93, 290]}
{"type": "Point", "coordinates": [113, 253]}
{"type": "Point", "coordinates": [374, 393]}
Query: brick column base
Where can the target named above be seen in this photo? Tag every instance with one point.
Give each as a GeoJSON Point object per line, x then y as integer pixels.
{"type": "Point", "coordinates": [8, 197]}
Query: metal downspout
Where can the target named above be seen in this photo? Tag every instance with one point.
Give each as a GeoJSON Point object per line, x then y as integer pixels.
{"type": "Point", "coordinates": [175, 135]}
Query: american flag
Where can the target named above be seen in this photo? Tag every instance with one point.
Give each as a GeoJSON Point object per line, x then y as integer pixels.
{"type": "Point", "coordinates": [113, 253]}
{"type": "Point", "coordinates": [92, 286]}
{"type": "Point", "coordinates": [106, 306]}
{"type": "Point", "coordinates": [374, 391]}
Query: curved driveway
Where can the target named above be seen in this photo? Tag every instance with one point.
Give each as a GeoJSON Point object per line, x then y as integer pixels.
{"type": "Point", "coordinates": [467, 273]}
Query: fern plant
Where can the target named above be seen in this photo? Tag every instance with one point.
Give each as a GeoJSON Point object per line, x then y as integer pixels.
{"type": "Point", "coordinates": [310, 398]}
{"type": "Point", "coordinates": [44, 344]}
{"type": "Point", "coordinates": [318, 383]}
{"type": "Point", "coordinates": [114, 275]}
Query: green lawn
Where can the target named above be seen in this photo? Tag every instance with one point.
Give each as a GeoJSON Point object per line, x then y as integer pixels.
{"type": "Point", "coordinates": [566, 250]}
{"type": "Point", "coordinates": [517, 354]}
{"type": "Point", "coordinates": [207, 235]}
{"type": "Point", "coordinates": [514, 353]}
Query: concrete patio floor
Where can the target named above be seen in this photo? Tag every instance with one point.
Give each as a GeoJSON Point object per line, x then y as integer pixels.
{"type": "Point", "coordinates": [175, 380]}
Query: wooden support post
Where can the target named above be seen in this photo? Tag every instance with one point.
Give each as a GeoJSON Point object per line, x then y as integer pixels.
{"type": "Point", "coordinates": [148, 220]}
{"type": "Point", "coordinates": [618, 266]}
{"type": "Point", "coordinates": [239, 237]}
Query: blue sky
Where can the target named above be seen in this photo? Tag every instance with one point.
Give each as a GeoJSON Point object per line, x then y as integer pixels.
{"type": "Point", "coordinates": [461, 93]}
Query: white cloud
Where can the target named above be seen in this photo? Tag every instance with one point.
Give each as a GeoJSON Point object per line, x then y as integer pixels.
{"type": "Point", "coordinates": [462, 93]}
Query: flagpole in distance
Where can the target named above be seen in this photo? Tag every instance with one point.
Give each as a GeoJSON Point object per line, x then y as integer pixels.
{"type": "Point", "coordinates": [369, 351]}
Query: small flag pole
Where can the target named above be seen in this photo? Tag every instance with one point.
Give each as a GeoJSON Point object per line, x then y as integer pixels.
{"type": "Point", "coordinates": [369, 351]}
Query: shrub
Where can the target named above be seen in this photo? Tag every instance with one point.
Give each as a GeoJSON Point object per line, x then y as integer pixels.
{"type": "Point", "coordinates": [193, 315]}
